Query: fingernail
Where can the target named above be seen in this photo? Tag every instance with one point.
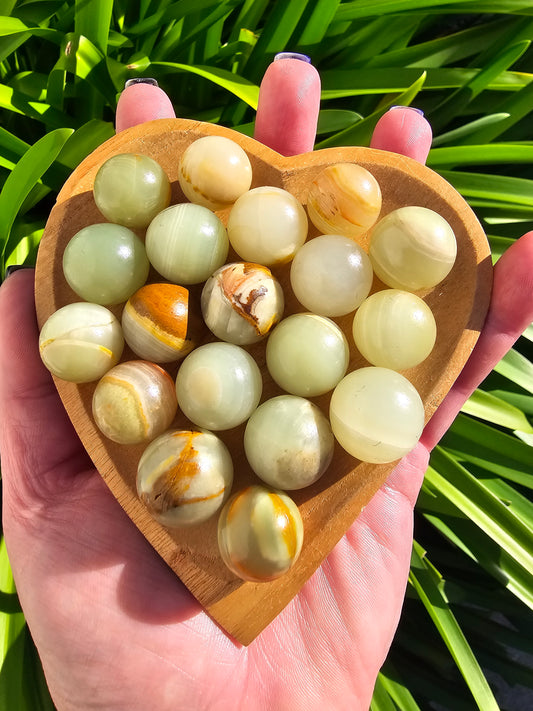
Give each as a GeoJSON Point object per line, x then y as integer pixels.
{"type": "Point", "coordinates": [292, 55]}
{"type": "Point", "coordinates": [14, 268]}
{"type": "Point", "coordinates": [141, 80]}
{"type": "Point", "coordinates": [411, 108]}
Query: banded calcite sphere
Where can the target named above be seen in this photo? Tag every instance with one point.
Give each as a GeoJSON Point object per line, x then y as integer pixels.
{"type": "Point", "coordinates": [241, 302]}
{"type": "Point", "coordinates": [218, 386]}
{"type": "Point", "coordinates": [260, 534]}
{"type": "Point", "coordinates": [186, 243]}
{"type": "Point", "coordinates": [288, 442]}
{"type": "Point", "coordinates": [184, 477]}
{"type": "Point", "coordinates": [134, 402]}
{"type": "Point", "coordinates": [307, 354]}
{"type": "Point", "coordinates": [214, 171]}
{"type": "Point", "coordinates": [331, 275]}
{"type": "Point", "coordinates": [376, 414]}
{"type": "Point", "coordinates": [267, 225]}
{"type": "Point", "coordinates": [105, 263]}
{"type": "Point", "coordinates": [412, 248]}
{"type": "Point", "coordinates": [80, 342]}
{"type": "Point", "coordinates": [160, 324]}
{"type": "Point", "coordinates": [394, 329]}
{"type": "Point", "coordinates": [130, 189]}
{"type": "Point", "coordinates": [344, 199]}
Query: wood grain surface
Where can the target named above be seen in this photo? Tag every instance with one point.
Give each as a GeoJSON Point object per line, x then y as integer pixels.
{"type": "Point", "coordinates": [328, 507]}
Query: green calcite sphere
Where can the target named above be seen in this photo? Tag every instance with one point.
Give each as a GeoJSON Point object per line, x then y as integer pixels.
{"type": "Point", "coordinates": [105, 263]}
{"type": "Point", "coordinates": [130, 189]}
{"type": "Point", "coordinates": [218, 386]}
{"type": "Point", "coordinates": [376, 415]}
{"type": "Point", "coordinates": [394, 329]}
{"type": "Point", "coordinates": [186, 243]}
{"type": "Point", "coordinates": [307, 354]}
{"type": "Point", "coordinates": [412, 248]}
{"type": "Point", "coordinates": [331, 275]}
{"type": "Point", "coordinates": [288, 442]}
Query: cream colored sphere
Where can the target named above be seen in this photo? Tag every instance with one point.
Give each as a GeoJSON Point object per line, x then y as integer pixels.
{"type": "Point", "coordinates": [214, 171]}
{"type": "Point", "coordinates": [412, 248]}
{"type": "Point", "coordinates": [267, 225]}
{"type": "Point", "coordinates": [394, 329]}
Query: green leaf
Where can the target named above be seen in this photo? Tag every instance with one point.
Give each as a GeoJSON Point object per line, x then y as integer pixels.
{"type": "Point", "coordinates": [330, 120]}
{"type": "Point", "coordinates": [455, 103]}
{"type": "Point", "coordinates": [516, 368]}
{"type": "Point", "coordinates": [20, 104]}
{"type": "Point", "coordinates": [480, 185]}
{"type": "Point", "coordinates": [12, 26]}
{"type": "Point", "coordinates": [361, 133]}
{"type": "Point", "coordinates": [23, 178]}
{"type": "Point", "coordinates": [490, 449]}
{"type": "Point", "coordinates": [458, 135]}
{"type": "Point", "coordinates": [492, 154]}
{"type": "Point", "coordinates": [489, 407]}
{"type": "Point", "coordinates": [92, 20]}
{"type": "Point", "coordinates": [237, 85]}
{"type": "Point", "coordinates": [481, 506]}
{"type": "Point", "coordinates": [424, 578]}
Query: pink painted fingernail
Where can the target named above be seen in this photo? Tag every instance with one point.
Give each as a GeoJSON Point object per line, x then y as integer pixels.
{"type": "Point", "coordinates": [403, 130]}
{"type": "Point", "coordinates": [142, 100]}
{"type": "Point", "coordinates": [289, 102]}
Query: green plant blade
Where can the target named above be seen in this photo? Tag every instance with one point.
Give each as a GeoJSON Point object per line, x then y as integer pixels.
{"type": "Point", "coordinates": [240, 87]}
{"type": "Point", "coordinates": [480, 505]}
{"type": "Point", "coordinates": [487, 406]}
{"type": "Point", "coordinates": [425, 580]}
{"type": "Point", "coordinates": [23, 178]}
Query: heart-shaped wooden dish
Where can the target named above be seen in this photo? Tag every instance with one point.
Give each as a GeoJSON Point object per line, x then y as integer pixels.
{"type": "Point", "coordinates": [328, 507]}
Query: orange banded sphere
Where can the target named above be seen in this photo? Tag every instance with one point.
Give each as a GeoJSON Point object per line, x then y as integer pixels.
{"type": "Point", "coordinates": [344, 199]}
{"type": "Point", "coordinates": [260, 533]}
{"type": "Point", "coordinates": [159, 323]}
{"type": "Point", "coordinates": [134, 402]}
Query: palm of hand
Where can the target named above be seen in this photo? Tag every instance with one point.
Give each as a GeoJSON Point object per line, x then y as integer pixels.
{"type": "Point", "coordinates": [117, 629]}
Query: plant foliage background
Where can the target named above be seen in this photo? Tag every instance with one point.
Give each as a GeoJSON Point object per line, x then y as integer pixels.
{"type": "Point", "coordinates": [465, 637]}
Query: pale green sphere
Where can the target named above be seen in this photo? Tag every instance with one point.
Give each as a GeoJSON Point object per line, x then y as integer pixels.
{"type": "Point", "coordinates": [130, 189]}
{"type": "Point", "coordinates": [307, 354]}
{"type": "Point", "coordinates": [105, 263]}
{"type": "Point", "coordinates": [376, 415]}
{"type": "Point", "coordinates": [394, 329]}
{"type": "Point", "coordinates": [80, 342]}
{"type": "Point", "coordinates": [288, 442]}
{"type": "Point", "coordinates": [186, 243]}
{"type": "Point", "coordinates": [184, 477]}
{"type": "Point", "coordinates": [412, 248]}
{"type": "Point", "coordinates": [331, 275]}
{"type": "Point", "coordinates": [218, 386]}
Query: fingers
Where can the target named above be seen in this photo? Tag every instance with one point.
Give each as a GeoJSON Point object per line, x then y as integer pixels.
{"type": "Point", "coordinates": [510, 312]}
{"type": "Point", "coordinates": [142, 100]}
{"type": "Point", "coordinates": [403, 130]}
{"type": "Point", "coordinates": [37, 440]}
{"type": "Point", "coordinates": [289, 102]}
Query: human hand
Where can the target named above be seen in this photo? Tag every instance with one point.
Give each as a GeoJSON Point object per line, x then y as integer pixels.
{"type": "Point", "coordinates": [114, 626]}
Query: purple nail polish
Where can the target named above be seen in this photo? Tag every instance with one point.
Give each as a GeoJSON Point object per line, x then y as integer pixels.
{"type": "Point", "coordinates": [141, 80]}
{"type": "Point", "coordinates": [292, 55]}
{"type": "Point", "coordinates": [411, 108]}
